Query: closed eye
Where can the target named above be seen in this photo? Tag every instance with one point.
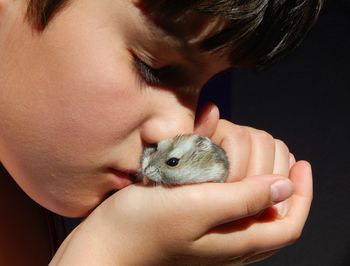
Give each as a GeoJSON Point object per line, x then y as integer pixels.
{"type": "Point", "coordinates": [150, 75]}
{"type": "Point", "coordinates": [171, 76]}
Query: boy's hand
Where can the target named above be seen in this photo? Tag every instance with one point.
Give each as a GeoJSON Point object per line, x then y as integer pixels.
{"type": "Point", "coordinates": [203, 224]}
{"type": "Point", "coordinates": [250, 151]}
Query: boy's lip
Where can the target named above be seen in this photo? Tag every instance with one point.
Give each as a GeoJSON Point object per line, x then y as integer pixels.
{"type": "Point", "coordinates": [124, 177]}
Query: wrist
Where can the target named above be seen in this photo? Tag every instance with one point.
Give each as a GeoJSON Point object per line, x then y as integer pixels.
{"type": "Point", "coordinates": [88, 244]}
{"type": "Point", "coordinates": [103, 239]}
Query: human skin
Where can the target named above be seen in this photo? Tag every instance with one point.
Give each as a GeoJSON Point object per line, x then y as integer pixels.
{"type": "Point", "coordinates": [75, 114]}
{"type": "Point", "coordinates": [73, 105]}
{"type": "Point", "coordinates": [184, 225]}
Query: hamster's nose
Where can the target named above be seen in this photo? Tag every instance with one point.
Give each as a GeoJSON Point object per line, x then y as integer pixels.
{"type": "Point", "coordinates": [167, 125]}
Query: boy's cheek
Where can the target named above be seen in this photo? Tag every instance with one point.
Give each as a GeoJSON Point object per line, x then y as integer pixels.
{"type": "Point", "coordinates": [58, 178]}
{"type": "Point", "coordinates": [76, 83]}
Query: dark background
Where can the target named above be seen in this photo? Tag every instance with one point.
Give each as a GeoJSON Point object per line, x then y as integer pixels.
{"type": "Point", "coordinates": [304, 101]}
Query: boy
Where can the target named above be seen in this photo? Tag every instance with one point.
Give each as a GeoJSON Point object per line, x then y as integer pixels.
{"type": "Point", "coordinates": [86, 84]}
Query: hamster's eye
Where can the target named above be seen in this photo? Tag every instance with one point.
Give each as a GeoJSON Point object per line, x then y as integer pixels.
{"type": "Point", "coordinates": [172, 161]}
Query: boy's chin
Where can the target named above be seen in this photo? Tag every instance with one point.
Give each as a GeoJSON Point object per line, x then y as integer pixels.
{"type": "Point", "coordinates": [72, 208]}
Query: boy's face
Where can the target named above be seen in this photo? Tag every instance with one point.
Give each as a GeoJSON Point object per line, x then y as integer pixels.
{"type": "Point", "coordinates": [75, 108]}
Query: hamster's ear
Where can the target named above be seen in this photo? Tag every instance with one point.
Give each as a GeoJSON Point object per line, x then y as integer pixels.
{"type": "Point", "coordinates": [203, 144]}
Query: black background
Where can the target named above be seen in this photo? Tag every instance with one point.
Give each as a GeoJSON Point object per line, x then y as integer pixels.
{"type": "Point", "coordinates": [304, 100]}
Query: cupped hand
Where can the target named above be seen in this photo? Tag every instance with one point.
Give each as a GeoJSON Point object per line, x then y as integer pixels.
{"type": "Point", "coordinates": [202, 224]}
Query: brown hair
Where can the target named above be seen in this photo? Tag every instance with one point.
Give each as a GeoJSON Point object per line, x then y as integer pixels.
{"type": "Point", "coordinates": [258, 32]}
{"type": "Point", "coordinates": [39, 12]}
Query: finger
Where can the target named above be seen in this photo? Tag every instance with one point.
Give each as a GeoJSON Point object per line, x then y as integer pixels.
{"type": "Point", "coordinates": [281, 162]}
{"type": "Point", "coordinates": [235, 140]}
{"type": "Point", "coordinates": [269, 235]}
{"type": "Point", "coordinates": [207, 120]}
{"type": "Point", "coordinates": [292, 160]}
{"type": "Point", "coordinates": [262, 153]}
{"type": "Point", "coordinates": [301, 176]}
{"type": "Point", "coordinates": [216, 203]}
{"type": "Point", "coordinates": [288, 230]}
{"type": "Point", "coordinates": [283, 207]}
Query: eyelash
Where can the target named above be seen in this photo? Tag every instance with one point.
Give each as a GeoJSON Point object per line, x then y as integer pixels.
{"type": "Point", "coordinates": [150, 75]}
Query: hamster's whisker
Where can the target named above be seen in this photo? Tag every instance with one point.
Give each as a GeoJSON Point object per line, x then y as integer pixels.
{"type": "Point", "coordinates": [166, 184]}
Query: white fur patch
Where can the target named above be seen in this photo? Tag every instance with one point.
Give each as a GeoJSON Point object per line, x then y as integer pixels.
{"type": "Point", "coordinates": [206, 144]}
{"type": "Point", "coordinates": [183, 147]}
{"type": "Point", "coordinates": [145, 162]}
{"type": "Point", "coordinates": [164, 144]}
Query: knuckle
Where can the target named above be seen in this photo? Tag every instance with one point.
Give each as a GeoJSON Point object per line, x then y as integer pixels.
{"type": "Point", "coordinates": [282, 145]}
{"type": "Point", "coordinates": [252, 205]}
{"type": "Point", "coordinates": [237, 135]}
{"type": "Point", "coordinates": [241, 133]}
{"type": "Point", "coordinates": [225, 124]}
{"type": "Point", "coordinates": [256, 198]}
{"type": "Point", "coordinates": [260, 135]}
{"type": "Point", "coordinates": [264, 136]}
{"type": "Point", "coordinates": [236, 131]}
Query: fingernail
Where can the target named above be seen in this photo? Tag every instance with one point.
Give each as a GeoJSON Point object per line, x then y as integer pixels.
{"type": "Point", "coordinates": [281, 190]}
{"type": "Point", "coordinates": [281, 208]}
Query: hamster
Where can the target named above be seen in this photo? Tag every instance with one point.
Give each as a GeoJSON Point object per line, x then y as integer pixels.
{"type": "Point", "coordinates": [184, 159]}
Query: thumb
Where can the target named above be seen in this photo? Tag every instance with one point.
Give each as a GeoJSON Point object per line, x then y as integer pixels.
{"type": "Point", "coordinates": [222, 202]}
{"type": "Point", "coordinates": [207, 120]}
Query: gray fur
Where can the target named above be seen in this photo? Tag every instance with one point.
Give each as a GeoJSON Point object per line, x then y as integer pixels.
{"type": "Point", "coordinates": [200, 160]}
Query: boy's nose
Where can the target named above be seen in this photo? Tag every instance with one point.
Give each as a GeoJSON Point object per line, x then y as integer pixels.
{"type": "Point", "coordinates": [167, 124]}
